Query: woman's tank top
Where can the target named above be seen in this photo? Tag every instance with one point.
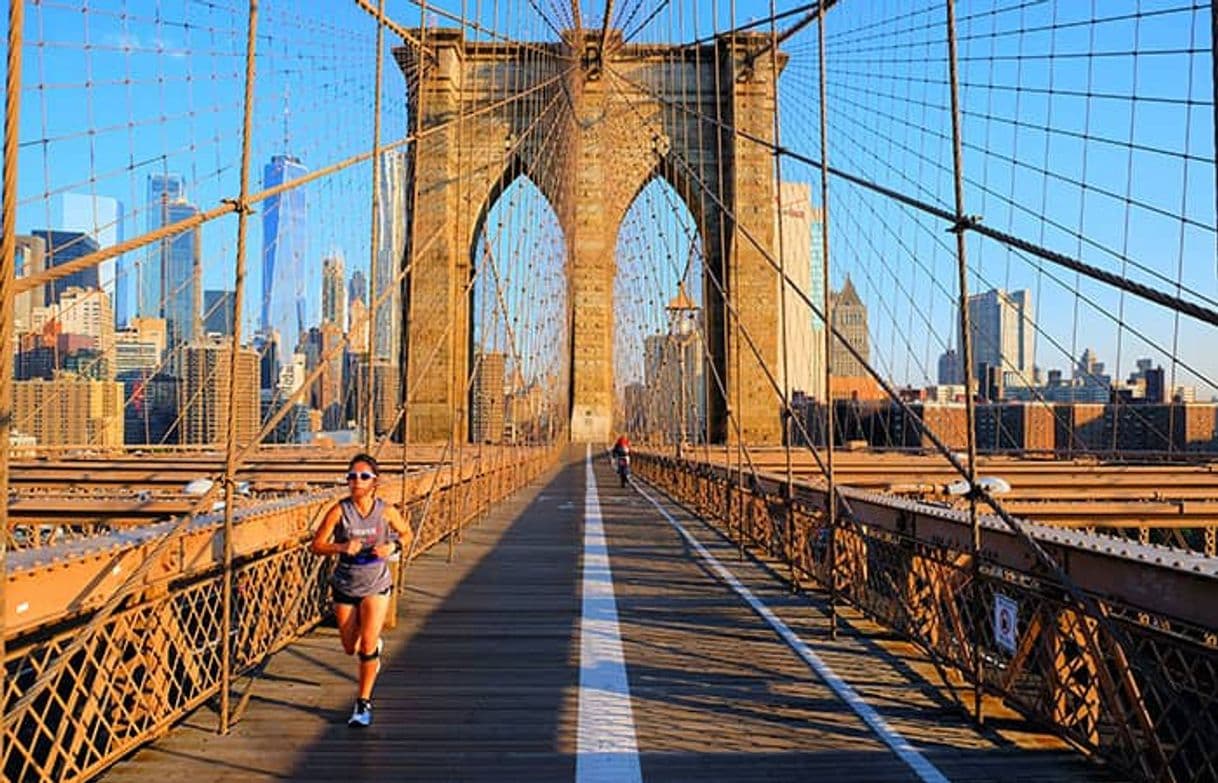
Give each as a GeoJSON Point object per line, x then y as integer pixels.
{"type": "Point", "coordinates": [362, 574]}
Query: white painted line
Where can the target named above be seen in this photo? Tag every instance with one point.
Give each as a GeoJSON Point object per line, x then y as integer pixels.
{"type": "Point", "coordinates": [905, 751]}
{"type": "Point", "coordinates": [607, 751]}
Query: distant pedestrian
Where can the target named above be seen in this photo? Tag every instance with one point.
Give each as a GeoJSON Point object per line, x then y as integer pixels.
{"type": "Point", "coordinates": [363, 531]}
{"type": "Point", "coordinates": [621, 459]}
{"type": "Point", "coordinates": [621, 447]}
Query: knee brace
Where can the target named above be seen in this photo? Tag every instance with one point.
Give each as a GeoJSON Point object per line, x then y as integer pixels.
{"type": "Point", "coordinates": [372, 656]}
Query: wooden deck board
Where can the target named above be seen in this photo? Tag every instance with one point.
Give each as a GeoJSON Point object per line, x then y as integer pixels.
{"type": "Point", "coordinates": [480, 678]}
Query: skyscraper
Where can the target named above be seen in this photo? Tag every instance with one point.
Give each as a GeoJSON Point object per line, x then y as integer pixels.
{"type": "Point", "coordinates": [487, 408]}
{"type": "Point", "coordinates": [357, 326]}
{"type": "Point", "coordinates": [803, 262]}
{"type": "Point", "coordinates": [359, 286]}
{"type": "Point", "coordinates": [333, 291]}
{"type": "Point", "coordinates": [850, 320]}
{"type": "Point", "coordinates": [31, 258]}
{"type": "Point", "coordinates": [218, 315]}
{"type": "Point", "coordinates": [70, 410]}
{"type": "Point", "coordinates": [674, 376]}
{"type": "Point", "coordinates": [328, 391]}
{"type": "Point", "coordinates": [171, 186]}
{"type": "Point", "coordinates": [101, 217]}
{"type": "Point", "coordinates": [385, 392]}
{"type": "Point", "coordinates": [87, 312]}
{"type": "Point", "coordinates": [391, 245]}
{"type": "Point", "coordinates": [285, 247]}
{"type": "Point", "coordinates": [951, 371]}
{"type": "Point", "coordinates": [151, 330]}
{"type": "Point", "coordinates": [205, 373]}
{"type": "Point", "coordinates": [62, 247]}
{"type": "Point", "coordinates": [151, 274]}
{"type": "Point", "coordinates": [269, 351]}
{"type": "Point", "coordinates": [1004, 334]}
{"type": "Point", "coordinates": [183, 277]}
{"type": "Point", "coordinates": [1090, 382]}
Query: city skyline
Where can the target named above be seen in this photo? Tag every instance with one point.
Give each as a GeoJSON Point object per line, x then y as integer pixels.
{"type": "Point", "coordinates": [911, 293]}
{"type": "Point", "coordinates": [993, 300]}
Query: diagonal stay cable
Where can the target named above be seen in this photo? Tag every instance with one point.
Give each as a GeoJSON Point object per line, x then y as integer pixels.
{"type": "Point", "coordinates": [788, 412]}
{"type": "Point", "coordinates": [203, 502]}
{"type": "Point", "coordinates": [630, 36]}
{"type": "Point", "coordinates": [23, 704]}
{"type": "Point", "coordinates": [436, 471]}
{"type": "Point", "coordinates": [1083, 599]}
{"type": "Point", "coordinates": [544, 18]}
{"type": "Point", "coordinates": [472, 25]}
{"type": "Point", "coordinates": [974, 224]}
{"type": "Point", "coordinates": [519, 143]}
{"type": "Point", "coordinates": [1008, 159]}
{"type": "Point", "coordinates": [227, 206]}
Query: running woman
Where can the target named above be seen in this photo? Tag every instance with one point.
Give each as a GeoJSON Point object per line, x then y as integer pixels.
{"type": "Point", "coordinates": [363, 531]}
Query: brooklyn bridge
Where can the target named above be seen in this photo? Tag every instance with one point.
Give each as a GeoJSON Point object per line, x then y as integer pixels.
{"type": "Point", "coordinates": [734, 390]}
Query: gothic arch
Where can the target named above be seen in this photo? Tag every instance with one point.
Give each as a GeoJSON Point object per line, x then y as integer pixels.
{"type": "Point", "coordinates": [666, 171]}
{"type": "Point", "coordinates": [494, 194]}
{"type": "Point", "coordinates": [611, 135]}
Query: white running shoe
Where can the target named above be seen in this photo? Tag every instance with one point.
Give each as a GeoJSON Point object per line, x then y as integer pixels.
{"type": "Point", "coordinates": [361, 715]}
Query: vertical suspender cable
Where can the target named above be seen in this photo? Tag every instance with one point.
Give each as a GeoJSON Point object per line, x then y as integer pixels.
{"type": "Point", "coordinates": [373, 253]}
{"type": "Point", "coordinates": [605, 32]}
{"type": "Point", "coordinates": [704, 354]}
{"type": "Point", "coordinates": [411, 235]}
{"type": "Point", "coordinates": [374, 236]}
{"type": "Point", "coordinates": [231, 446]}
{"type": "Point", "coordinates": [8, 253]}
{"type": "Point", "coordinates": [830, 479]}
{"type": "Point", "coordinates": [966, 339]}
{"type": "Point", "coordinates": [449, 496]}
{"type": "Point", "coordinates": [731, 283]}
{"type": "Point", "coordinates": [789, 484]}
{"type": "Point", "coordinates": [731, 388]}
{"type": "Point", "coordinates": [407, 302]}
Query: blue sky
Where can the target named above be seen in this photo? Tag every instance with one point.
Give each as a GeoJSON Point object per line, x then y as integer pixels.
{"type": "Point", "coordinates": [1056, 149]}
{"type": "Point", "coordinates": [165, 94]}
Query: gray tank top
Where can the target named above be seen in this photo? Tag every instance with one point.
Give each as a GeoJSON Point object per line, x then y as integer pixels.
{"type": "Point", "coordinates": [362, 574]}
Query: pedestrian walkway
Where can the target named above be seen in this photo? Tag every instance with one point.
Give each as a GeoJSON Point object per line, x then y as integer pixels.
{"type": "Point", "coordinates": [482, 676]}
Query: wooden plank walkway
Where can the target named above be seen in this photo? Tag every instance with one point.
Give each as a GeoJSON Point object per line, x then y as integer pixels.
{"type": "Point", "coordinates": [481, 676]}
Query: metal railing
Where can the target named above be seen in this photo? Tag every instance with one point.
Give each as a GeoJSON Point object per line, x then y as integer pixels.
{"type": "Point", "coordinates": [1135, 687]}
{"type": "Point", "coordinates": [158, 657]}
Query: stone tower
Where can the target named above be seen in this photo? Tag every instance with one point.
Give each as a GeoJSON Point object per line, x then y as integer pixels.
{"type": "Point", "coordinates": [591, 132]}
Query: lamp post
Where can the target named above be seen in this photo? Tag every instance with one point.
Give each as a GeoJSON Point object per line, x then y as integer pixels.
{"type": "Point", "coordinates": [682, 328]}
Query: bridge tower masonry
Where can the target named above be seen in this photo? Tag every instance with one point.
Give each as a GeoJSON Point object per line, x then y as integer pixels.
{"type": "Point", "coordinates": [591, 130]}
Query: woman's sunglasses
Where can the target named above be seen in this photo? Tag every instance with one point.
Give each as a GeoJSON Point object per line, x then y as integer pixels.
{"type": "Point", "coordinates": [362, 475]}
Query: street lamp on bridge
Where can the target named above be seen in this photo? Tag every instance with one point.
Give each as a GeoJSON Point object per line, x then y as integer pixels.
{"type": "Point", "coordinates": [682, 330]}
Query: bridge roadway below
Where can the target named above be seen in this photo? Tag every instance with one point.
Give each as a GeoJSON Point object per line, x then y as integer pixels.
{"type": "Point", "coordinates": [482, 675]}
